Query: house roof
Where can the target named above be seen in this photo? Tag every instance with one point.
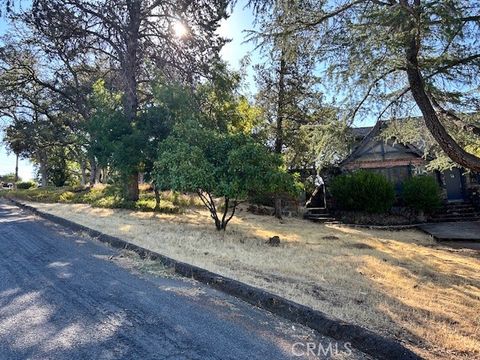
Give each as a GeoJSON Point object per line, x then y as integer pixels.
{"type": "Point", "coordinates": [361, 132]}
{"type": "Point", "coordinates": [369, 134]}
{"type": "Point", "coordinates": [366, 134]}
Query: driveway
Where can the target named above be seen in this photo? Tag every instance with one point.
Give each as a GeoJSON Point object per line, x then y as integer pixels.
{"type": "Point", "coordinates": [64, 296]}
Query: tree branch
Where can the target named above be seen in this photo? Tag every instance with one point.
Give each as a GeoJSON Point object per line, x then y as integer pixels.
{"type": "Point", "coordinates": [456, 120]}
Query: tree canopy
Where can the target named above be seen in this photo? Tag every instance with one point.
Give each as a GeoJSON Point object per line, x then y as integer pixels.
{"type": "Point", "coordinates": [389, 58]}
{"type": "Point", "coordinates": [64, 47]}
{"type": "Point", "coordinates": [219, 165]}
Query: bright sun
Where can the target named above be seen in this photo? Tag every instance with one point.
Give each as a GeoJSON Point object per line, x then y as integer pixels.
{"type": "Point", "coordinates": [179, 29]}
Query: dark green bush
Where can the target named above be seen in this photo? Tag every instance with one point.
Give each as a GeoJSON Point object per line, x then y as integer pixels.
{"type": "Point", "coordinates": [24, 185]}
{"type": "Point", "coordinates": [363, 191]}
{"type": "Point", "coordinates": [422, 193]}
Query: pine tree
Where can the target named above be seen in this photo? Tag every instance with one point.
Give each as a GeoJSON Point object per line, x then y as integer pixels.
{"type": "Point", "coordinates": [289, 88]}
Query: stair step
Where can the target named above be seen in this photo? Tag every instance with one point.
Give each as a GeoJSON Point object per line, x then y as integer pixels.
{"type": "Point", "coordinates": [322, 220]}
{"type": "Point", "coordinates": [455, 219]}
{"type": "Point", "coordinates": [472, 211]}
{"type": "Point", "coordinates": [463, 206]}
{"type": "Point", "coordinates": [459, 214]}
{"type": "Point", "coordinates": [318, 213]}
{"type": "Point", "coordinates": [318, 216]}
{"type": "Point", "coordinates": [458, 209]}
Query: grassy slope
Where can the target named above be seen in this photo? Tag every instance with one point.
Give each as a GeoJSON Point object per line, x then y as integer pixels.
{"type": "Point", "coordinates": [400, 284]}
{"type": "Point", "coordinates": [105, 197]}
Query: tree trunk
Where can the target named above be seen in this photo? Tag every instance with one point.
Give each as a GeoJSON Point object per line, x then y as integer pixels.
{"type": "Point", "coordinates": [130, 65]}
{"type": "Point", "coordinates": [132, 187]}
{"type": "Point", "coordinates": [280, 105]}
{"type": "Point", "coordinates": [83, 169]}
{"type": "Point", "coordinates": [98, 175]}
{"type": "Point", "coordinates": [130, 59]}
{"type": "Point", "coordinates": [105, 175]}
{"type": "Point", "coordinates": [278, 207]}
{"type": "Point", "coordinates": [43, 172]}
{"type": "Point", "coordinates": [157, 198]}
{"type": "Point", "coordinates": [432, 122]}
{"type": "Point", "coordinates": [279, 124]}
{"type": "Point", "coordinates": [93, 171]}
{"type": "Point", "coordinates": [16, 171]}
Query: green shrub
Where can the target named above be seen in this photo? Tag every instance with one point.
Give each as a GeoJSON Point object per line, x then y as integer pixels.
{"type": "Point", "coordinates": [363, 191]}
{"type": "Point", "coordinates": [105, 197]}
{"type": "Point", "coordinates": [25, 185]}
{"type": "Point", "coordinates": [422, 193]}
{"type": "Point", "coordinates": [147, 203]}
{"type": "Point", "coordinates": [67, 197]}
{"type": "Point", "coordinates": [112, 202]}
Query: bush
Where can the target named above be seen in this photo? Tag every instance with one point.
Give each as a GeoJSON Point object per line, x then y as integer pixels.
{"type": "Point", "coordinates": [422, 193]}
{"type": "Point", "coordinates": [67, 197]}
{"type": "Point", "coordinates": [25, 185]}
{"type": "Point", "coordinates": [363, 191]}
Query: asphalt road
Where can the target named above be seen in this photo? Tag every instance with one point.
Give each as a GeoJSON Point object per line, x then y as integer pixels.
{"type": "Point", "coordinates": [64, 296]}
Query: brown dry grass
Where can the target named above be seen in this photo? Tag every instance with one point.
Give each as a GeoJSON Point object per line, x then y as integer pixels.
{"type": "Point", "coordinates": [400, 284]}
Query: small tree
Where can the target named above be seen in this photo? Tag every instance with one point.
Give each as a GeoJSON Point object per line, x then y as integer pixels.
{"type": "Point", "coordinates": [217, 165]}
{"type": "Point", "coordinates": [422, 193]}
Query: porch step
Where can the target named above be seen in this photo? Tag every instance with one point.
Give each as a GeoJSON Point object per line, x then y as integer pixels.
{"type": "Point", "coordinates": [459, 211]}
{"type": "Point", "coordinates": [456, 212]}
{"type": "Point", "coordinates": [318, 211]}
{"type": "Point", "coordinates": [318, 215]}
{"type": "Point", "coordinates": [458, 207]}
{"type": "Point", "coordinates": [454, 219]}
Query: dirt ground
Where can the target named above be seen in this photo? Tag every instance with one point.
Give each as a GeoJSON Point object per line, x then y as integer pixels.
{"type": "Point", "coordinates": [398, 283]}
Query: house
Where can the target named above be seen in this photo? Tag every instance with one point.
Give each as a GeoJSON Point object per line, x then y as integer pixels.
{"type": "Point", "coordinates": [398, 162]}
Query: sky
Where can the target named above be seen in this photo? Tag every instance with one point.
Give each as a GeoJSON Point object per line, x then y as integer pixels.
{"type": "Point", "coordinates": [233, 28]}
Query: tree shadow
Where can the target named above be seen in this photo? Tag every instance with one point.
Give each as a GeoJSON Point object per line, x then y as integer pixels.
{"type": "Point", "coordinates": [65, 299]}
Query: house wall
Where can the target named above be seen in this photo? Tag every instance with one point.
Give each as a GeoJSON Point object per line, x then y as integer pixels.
{"type": "Point", "coordinates": [473, 188]}
{"type": "Point", "coordinates": [382, 164]}
{"type": "Point", "coordinates": [399, 162]}
{"type": "Point", "coordinates": [395, 161]}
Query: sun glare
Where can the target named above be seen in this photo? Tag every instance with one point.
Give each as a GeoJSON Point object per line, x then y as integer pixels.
{"type": "Point", "coordinates": [180, 29]}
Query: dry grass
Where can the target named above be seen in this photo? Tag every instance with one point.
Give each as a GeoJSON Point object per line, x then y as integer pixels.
{"type": "Point", "coordinates": [397, 283]}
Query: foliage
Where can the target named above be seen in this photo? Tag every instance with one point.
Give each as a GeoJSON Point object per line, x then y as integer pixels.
{"type": "Point", "coordinates": [394, 59]}
{"type": "Point", "coordinates": [126, 45]}
{"type": "Point", "coordinates": [8, 178]}
{"type": "Point", "coordinates": [422, 193]}
{"type": "Point", "coordinates": [104, 197]}
{"type": "Point", "coordinates": [26, 185]}
{"type": "Point", "coordinates": [363, 191]}
{"type": "Point", "coordinates": [412, 130]}
{"type": "Point", "coordinates": [219, 165]}
{"type": "Point", "coordinates": [324, 143]}
{"type": "Point", "coordinates": [37, 130]}
{"type": "Point", "coordinates": [289, 92]}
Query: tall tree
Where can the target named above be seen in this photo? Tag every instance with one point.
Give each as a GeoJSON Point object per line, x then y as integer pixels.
{"type": "Point", "coordinates": [28, 57]}
{"type": "Point", "coordinates": [388, 55]}
{"type": "Point", "coordinates": [39, 127]}
{"type": "Point", "coordinates": [136, 36]}
{"type": "Point", "coordinates": [289, 90]}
